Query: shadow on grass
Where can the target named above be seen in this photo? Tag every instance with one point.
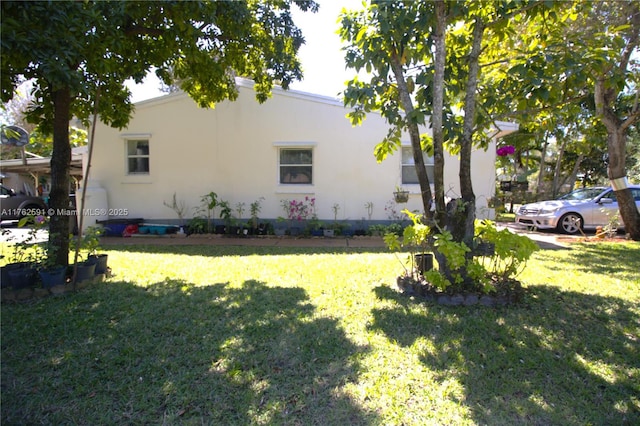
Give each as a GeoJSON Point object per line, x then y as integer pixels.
{"type": "Point", "coordinates": [561, 358]}
{"type": "Point", "coordinates": [234, 250]}
{"type": "Point", "coordinates": [176, 353]}
{"type": "Point", "coordinates": [611, 258]}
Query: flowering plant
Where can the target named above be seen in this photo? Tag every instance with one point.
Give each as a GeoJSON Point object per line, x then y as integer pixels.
{"type": "Point", "coordinates": [503, 151]}
{"type": "Point", "coordinates": [300, 210]}
{"type": "Point", "coordinates": [392, 211]}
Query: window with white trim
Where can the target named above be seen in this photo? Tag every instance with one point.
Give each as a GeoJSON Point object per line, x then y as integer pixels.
{"type": "Point", "coordinates": [409, 173]}
{"type": "Point", "coordinates": [296, 166]}
{"type": "Point", "coordinates": [138, 156]}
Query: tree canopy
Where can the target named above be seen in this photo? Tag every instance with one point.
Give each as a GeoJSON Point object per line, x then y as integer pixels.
{"type": "Point", "coordinates": [467, 64]}
{"type": "Point", "coordinates": [79, 51]}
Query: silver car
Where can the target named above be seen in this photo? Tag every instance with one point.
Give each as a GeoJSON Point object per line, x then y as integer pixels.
{"type": "Point", "coordinates": [585, 208]}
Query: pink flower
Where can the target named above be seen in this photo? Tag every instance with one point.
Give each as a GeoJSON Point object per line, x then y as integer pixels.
{"type": "Point", "coordinates": [503, 151]}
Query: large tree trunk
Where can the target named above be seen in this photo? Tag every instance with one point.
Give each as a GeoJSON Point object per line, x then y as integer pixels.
{"type": "Point", "coordinates": [616, 141]}
{"type": "Point", "coordinates": [616, 144]}
{"type": "Point", "coordinates": [571, 179]}
{"type": "Point", "coordinates": [414, 134]}
{"type": "Point", "coordinates": [60, 165]}
{"type": "Point", "coordinates": [468, 211]}
{"type": "Point", "coordinates": [438, 107]}
{"type": "Point", "coordinates": [605, 96]}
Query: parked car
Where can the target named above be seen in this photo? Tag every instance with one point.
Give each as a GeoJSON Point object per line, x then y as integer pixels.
{"type": "Point", "coordinates": [585, 208]}
{"type": "Point", "coordinates": [15, 206]}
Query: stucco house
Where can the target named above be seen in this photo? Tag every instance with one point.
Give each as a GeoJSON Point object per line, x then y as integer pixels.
{"type": "Point", "coordinates": [293, 146]}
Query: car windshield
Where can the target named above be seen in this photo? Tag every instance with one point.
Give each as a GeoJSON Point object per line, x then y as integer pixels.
{"type": "Point", "coordinates": [582, 194]}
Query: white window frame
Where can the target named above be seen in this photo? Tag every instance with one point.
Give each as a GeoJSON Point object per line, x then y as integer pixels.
{"type": "Point", "coordinates": [128, 156]}
{"type": "Point", "coordinates": [428, 161]}
{"type": "Point", "coordinates": [299, 146]}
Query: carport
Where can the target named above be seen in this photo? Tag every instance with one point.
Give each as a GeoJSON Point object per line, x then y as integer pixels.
{"type": "Point", "coordinates": [36, 166]}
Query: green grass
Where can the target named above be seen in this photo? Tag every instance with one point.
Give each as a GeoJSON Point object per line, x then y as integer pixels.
{"type": "Point", "coordinates": [505, 217]}
{"type": "Point", "coordinates": [241, 335]}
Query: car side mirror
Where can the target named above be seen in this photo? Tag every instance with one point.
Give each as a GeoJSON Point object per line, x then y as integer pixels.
{"type": "Point", "coordinates": [605, 201]}
{"type": "Point", "coordinates": [12, 192]}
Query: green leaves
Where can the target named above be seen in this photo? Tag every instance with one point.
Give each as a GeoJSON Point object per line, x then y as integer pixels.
{"type": "Point", "coordinates": [73, 44]}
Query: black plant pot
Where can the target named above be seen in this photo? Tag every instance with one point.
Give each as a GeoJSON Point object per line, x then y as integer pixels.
{"type": "Point", "coordinates": [24, 277]}
{"type": "Point", "coordinates": [424, 262]}
{"type": "Point", "coordinates": [484, 249]}
{"type": "Point", "coordinates": [53, 277]}
{"type": "Point", "coordinates": [5, 278]}
{"type": "Point", "coordinates": [101, 263]}
{"type": "Point", "coordinates": [85, 271]}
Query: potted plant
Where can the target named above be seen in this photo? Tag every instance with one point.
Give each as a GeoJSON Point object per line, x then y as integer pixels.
{"type": "Point", "coordinates": [196, 225]}
{"type": "Point", "coordinates": [360, 228]}
{"type": "Point", "coordinates": [239, 229]}
{"type": "Point", "coordinates": [23, 276]}
{"type": "Point", "coordinates": [91, 244]}
{"type": "Point", "coordinates": [225, 215]}
{"type": "Point", "coordinates": [298, 211]}
{"type": "Point", "coordinates": [85, 271]}
{"type": "Point", "coordinates": [334, 228]}
{"type": "Point", "coordinates": [21, 272]}
{"type": "Point", "coordinates": [254, 209]}
{"type": "Point", "coordinates": [205, 212]}
{"type": "Point", "coordinates": [400, 195]}
{"type": "Point", "coordinates": [315, 227]}
{"type": "Point", "coordinates": [280, 229]}
{"type": "Point", "coordinates": [415, 238]}
{"type": "Point", "coordinates": [51, 274]}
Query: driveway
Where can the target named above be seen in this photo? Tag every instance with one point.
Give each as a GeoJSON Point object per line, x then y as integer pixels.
{"type": "Point", "coordinates": [546, 240]}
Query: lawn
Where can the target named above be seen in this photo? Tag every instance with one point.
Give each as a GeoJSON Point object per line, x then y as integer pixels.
{"type": "Point", "coordinates": [250, 335]}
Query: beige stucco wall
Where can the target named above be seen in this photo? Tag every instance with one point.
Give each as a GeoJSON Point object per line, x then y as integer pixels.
{"type": "Point", "coordinates": [233, 151]}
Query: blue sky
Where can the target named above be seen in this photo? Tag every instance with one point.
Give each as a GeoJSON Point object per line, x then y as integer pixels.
{"type": "Point", "coordinates": [321, 57]}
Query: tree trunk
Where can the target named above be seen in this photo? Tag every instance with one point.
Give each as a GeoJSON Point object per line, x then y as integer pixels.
{"type": "Point", "coordinates": [468, 210]}
{"type": "Point", "coordinates": [543, 159]}
{"type": "Point", "coordinates": [626, 204]}
{"type": "Point", "coordinates": [414, 134]}
{"type": "Point", "coordinates": [438, 108]}
{"type": "Point", "coordinates": [605, 95]}
{"type": "Point", "coordinates": [60, 165]}
{"type": "Point", "coordinates": [616, 146]}
{"type": "Point", "coordinates": [556, 174]}
{"type": "Point", "coordinates": [571, 179]}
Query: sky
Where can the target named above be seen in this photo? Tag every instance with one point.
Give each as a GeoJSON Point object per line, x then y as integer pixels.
{"type": "Point", "coordinates": [321, 57]}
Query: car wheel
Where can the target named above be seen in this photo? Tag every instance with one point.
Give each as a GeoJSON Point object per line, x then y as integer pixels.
{"type": "Point", "coordinates": [30, 207]}
{"type": "Point", "coordinates": [570, 223]}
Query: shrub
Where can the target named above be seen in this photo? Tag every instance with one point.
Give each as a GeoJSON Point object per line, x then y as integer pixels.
{"type": "Point", "coordinates": [465, 270]}
{"type": "Point", "coordinates": [511, 250]}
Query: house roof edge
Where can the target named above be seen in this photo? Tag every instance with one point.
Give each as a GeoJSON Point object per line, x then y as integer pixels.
{"type": "Point", "coordinates": [249, 84]}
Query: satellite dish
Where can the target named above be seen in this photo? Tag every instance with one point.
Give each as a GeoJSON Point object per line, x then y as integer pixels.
{"type": "Point", "coordinates": [14, 135]}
